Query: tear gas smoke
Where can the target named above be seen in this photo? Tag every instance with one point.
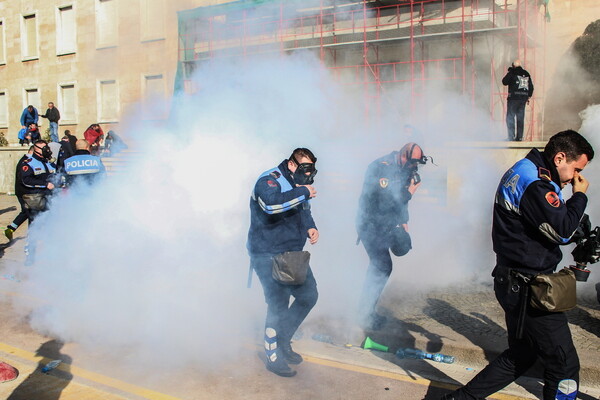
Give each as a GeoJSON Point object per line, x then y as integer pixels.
{"type": "Point", "coordinates": [153, 258]}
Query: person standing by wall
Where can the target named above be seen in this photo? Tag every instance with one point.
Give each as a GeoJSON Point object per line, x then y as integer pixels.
{"type": "Point", "coordinates": [530, 221]}
{"type": "Point", "coordinates": [280, 222]}
{"type": "Point", "coordinates": [53, 116]}
{"type": "Point", "coordinates": [520, 90]}
{"type": "Point", "coordinates": [29, 116]}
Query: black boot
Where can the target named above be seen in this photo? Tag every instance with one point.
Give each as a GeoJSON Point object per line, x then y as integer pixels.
{"type": "Point", "coordinates": [288, 353]}
{"type": "Point", "coordinates": [279, 366]}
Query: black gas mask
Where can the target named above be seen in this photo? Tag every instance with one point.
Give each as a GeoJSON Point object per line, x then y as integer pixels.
{"type": "Point", "coordinates": [411, 165]}
{"type": "Point", "coordinates": [305, 172]}
{"type": "Point", "coordinates": [46, 152]}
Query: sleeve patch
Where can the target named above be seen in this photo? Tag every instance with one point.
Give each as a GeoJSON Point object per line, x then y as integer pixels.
{"type": "Point", "coordinates": [383, 182]}
{"type": "Point", "coordinates": [271, 183]}
{"type": "Point", "coordinates": [552, 199]}
{"type": "Point", "coordinates": [275, 174]}
{"type": "Point", "coordinates": [25, 168]}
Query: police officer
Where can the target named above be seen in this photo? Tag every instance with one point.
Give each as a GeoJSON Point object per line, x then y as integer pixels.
{"type": "Point", "coordinates": [281, 221]}
{"type": "Point", "coordinates": [82, 165]}
{"type": "Point", "coordinates": [531, 219]}
{"type": "Point", "coordinates": [19, 190]}
{"type": "Point", "coordinates": [520, 90]}
{"type": "Point", "coordinates": [382, 221]}
{"type": "Point", "coordinates": [37, 175]}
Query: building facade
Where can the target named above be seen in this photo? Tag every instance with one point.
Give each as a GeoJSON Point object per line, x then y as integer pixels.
{"type": "Point", "coordinates": [96, 60]}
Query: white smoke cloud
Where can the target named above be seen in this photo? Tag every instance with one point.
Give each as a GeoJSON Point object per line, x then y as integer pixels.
{"type": "Point", "coordinates": [153, 258]}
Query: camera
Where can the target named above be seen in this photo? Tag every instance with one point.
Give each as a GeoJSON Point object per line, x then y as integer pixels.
{"type": "Point", "coordinates": [587, 250]}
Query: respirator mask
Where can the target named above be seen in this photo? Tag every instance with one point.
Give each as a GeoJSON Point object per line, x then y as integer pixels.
{"type": "Point", "coordinates": [411, 165]}
{"type": "Point", "coordinates": [46, 152]}
{"type": "Point", "coordinates": [305, 172]}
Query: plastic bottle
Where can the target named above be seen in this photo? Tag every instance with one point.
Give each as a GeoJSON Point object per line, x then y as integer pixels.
{"type": "Point", "coordinates": [322, 338]}
{"type": "Point", "coordinates": [51, 365]}
{"type": "Point", "coordinates": [419, 354]}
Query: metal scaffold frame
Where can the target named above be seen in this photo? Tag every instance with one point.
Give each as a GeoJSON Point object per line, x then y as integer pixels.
{"type": "Point", "coordinates": [379, 46]}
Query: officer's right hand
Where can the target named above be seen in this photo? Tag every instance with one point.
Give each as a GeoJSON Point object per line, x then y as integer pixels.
{"type": "Point", "coordinates": [580, 184]}
{"type": "Point", "coordinates": [313, 192]}
{"type": "Point", "coordinates": [50, 185]}
{"type": "Point", "coordinates": [412, 188]}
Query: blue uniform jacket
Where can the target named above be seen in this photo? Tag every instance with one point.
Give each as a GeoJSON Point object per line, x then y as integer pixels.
{"type": "Point", "coordinates": [280, 215]}
{"type": "Point", "coordinates": [531, 219]}
{"type": "Point", "coordinates": [35, 174]}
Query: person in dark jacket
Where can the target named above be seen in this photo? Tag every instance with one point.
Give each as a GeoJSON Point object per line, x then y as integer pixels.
{"type": "Point", "coordinates": [53, 116]}
{"type": "Point", "coordinates": [29, 116]}
{"type": "Point", "coordinates": [19, 190]}
{"type": "Point", "coordinates": [37, 175]}
{"type": "Point", "coordinates": [382, 221]}
{"type": "Point", "coordinates": [520, 90]}
{"type": "Point", "coordinates": [530, 221]}
{"type": "Point", "coordinates": [281, 221]}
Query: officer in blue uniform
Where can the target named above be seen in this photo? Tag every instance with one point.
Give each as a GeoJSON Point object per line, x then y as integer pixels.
{"type": "Point", "coordinates": [82, 165]}
{"type": "Point", "coordinates": [382, 221]}
{"type": "Point", "coordinates": [37, 175]}
{"type": "Point", "coordinates": [281, 221]}
{"type": "Point", "coordinates": [531, 220]}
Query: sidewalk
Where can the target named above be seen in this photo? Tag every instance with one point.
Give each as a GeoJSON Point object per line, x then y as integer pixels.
{"type": "Point", "coordinates": [467, 325]}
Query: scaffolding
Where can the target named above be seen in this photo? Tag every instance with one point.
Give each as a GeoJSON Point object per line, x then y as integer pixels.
{"type": "Point", "coordinates": [379, 46]}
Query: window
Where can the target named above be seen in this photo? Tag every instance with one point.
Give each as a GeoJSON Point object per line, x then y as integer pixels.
{"type": "Point", "coordinates": [33, 97]}
{"type": "Point", "coordinates": [2, 44]}
{"type": "Point", "coordinates": [66, 42]}
{"type": "Point", "coordinates": [154, 97]}
{"type": "Point", "coordinates": [67, 104]}
{"type": "Point", "coordinates": [3, 109]}
{"type": "Point", "coordinates": [153, 14]}
{"type": "Point", "coordinates": [29, 41]}
{"type": "Point", "coordinates": [109, 101]}
{"type": "Point", "coordinates": [106, 23]}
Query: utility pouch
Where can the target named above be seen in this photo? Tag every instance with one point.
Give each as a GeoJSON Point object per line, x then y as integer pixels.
{"type": "Point", "coordinates": [554, 292]}
{"type": "Point", "coordinates": [400, 241]}
{"type": "Point", "coordinates": [35, 201]}
{"type": "Point", "coordinates": [291, 267]}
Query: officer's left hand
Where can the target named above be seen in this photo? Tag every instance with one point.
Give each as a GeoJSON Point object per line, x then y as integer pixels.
{"type": "Point", "coordinates": [313, 235]}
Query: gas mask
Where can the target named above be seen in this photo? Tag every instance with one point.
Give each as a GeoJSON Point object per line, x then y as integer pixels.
{"type": "Point", "coordinates": [46, 152]}
{"type": "Point", "coordinates": [413, 154]}
{"type": "Point", "coordinates": [305, 173]}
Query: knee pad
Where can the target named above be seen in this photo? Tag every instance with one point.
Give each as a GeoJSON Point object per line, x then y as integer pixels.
{"type": "Point", "coordinates": [567, 390]}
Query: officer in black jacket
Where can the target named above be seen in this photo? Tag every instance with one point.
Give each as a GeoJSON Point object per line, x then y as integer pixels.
{"type": "Point", "coordinates": [37, 175]}
{"type": "Point", "coordinates": [531, 219]}
{"type": "Point", "coordinates": [281, 221]}
{"type": "Point", "coordinates": [520, 90]}
{"type": "Point", "coordinates": [382, 221]}
{"type": "Point", "coordinates": [19, 190]}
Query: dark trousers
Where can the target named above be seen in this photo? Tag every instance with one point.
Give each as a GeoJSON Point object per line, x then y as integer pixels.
{"type": "Point", "coordinates": [546, 335]}
{"type": "Point", "coordinates": [282, 316]}
{"type": "Point", "coordinates": [22, 216]}
{"type": "Point", "coordinates": [515, 110]}
{"type": "Point", "coordinates": [378, 273]}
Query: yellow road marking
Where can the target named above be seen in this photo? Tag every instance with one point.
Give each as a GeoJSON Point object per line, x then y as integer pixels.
{"type": "Point", "coordinates": [92, 376]}
{"type": "Point", "coordinates": [395, 376]}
